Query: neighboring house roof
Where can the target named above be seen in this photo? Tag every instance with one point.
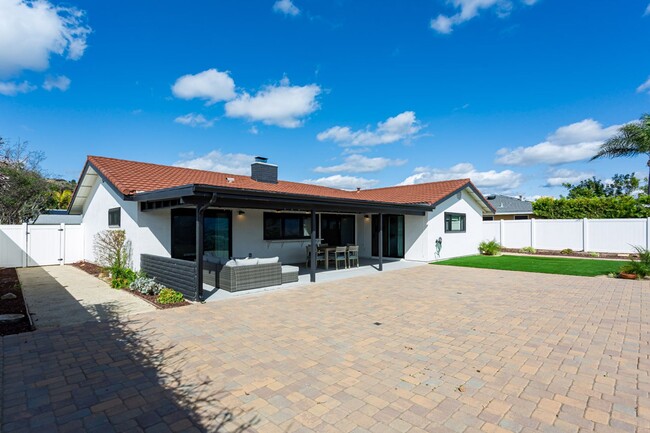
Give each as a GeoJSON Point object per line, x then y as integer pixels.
{"type": "Point", "coordinates": [505, 205]}
{"type": "Point", "coordinates": [131, 178]}
{"type": "Point", "coordinates": [57, 216]}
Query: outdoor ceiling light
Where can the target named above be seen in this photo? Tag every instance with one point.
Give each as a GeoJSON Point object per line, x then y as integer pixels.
{"type": "Point", "coordinates": [241, 212]}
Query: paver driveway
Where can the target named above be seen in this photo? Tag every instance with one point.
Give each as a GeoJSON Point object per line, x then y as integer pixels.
{"type": "Point", "coordinates": [436, 349]}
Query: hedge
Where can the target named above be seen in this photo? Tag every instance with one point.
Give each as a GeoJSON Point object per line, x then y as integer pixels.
{"type": "Point", "coordinates": [596, 207]}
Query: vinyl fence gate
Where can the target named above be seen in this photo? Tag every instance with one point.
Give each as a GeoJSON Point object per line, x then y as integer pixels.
{"type": "Point", "coordinates": [40, 245]}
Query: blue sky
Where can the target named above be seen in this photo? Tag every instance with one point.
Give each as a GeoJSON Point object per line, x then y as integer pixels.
{"type": "Point", "coordinates": [516, 94]}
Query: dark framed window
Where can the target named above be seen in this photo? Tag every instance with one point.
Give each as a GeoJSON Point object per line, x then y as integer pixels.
{"type": "Point", "coordinates": [115, 217]}
{"type": "Point", "coordinates": [282, 226]}
{"type": "Point", "coordinates": [454, 222]}
{"type": "Point", "coordinates": [488, 218]}
{"type": "Point", "coordinates": [521, 217]}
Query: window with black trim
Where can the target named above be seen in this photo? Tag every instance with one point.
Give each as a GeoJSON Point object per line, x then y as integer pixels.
{"type": "Point", "coordinates": [114, 217]}
{"type": "Point", "coordinates": [282, 226]}
{"type": "Point", "coordinates": [454, 222]}
{"type": "Point", "coordinates": [488, 218]}
{"type": "Point", "coordinates": [521, 217]}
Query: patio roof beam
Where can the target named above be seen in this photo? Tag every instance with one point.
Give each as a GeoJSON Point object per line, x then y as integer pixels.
{"type": "Point", "coordinates": [191, 194]}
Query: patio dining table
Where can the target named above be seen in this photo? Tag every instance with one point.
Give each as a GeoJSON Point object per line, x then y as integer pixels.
{"type": "Point", "coordinates": [327, 250]}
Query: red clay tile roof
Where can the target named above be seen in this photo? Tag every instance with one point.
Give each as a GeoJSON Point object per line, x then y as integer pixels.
{"type": "Point", "coordinates": [130, 177]}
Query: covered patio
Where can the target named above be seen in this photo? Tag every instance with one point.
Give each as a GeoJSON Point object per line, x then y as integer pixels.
{"type": "Point", "coordinates": [367, 267]}
{"type": "Point", "coordinates": [200, 203]}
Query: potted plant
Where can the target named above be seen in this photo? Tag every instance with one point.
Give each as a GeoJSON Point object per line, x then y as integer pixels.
{"type": "Point", "coordinates": [636, 269]}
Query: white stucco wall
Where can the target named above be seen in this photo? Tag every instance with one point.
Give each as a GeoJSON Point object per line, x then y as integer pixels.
{"type": "Point", "coordinates": [148, 232]}
{"type": "Point", "coordinates": [455, 244]}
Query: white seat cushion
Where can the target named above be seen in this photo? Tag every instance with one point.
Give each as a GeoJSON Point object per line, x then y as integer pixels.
{"type": "Point", "coordinates": [286, 269]}
{"type": "Point", "coordinates": [266, 261]}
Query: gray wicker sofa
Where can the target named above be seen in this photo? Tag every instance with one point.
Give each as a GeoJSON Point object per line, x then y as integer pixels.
{"type": "Point", "coordinates": [245, 274]}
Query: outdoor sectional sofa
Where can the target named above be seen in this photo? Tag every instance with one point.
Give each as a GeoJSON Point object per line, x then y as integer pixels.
{"type": "Point", "coordinates": [253, 273]}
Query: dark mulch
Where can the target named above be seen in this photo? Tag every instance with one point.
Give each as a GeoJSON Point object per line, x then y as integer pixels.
{"type": "Point", "coordinates": [153, 300]}
{"type": "Point", "coordinates": [573, 254]}
{"type": "Point", "coordinates": [90, 268]}
{"type": "Point", "coordinates": [9, 284]}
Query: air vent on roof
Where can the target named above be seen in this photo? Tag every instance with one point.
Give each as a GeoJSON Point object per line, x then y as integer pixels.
{"type": "Point", "coordinates": [262, 171]}
{"type": "Point", "coordinates": [230, 179]}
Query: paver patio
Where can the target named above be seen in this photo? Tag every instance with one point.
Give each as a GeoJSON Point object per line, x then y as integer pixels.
{"type": "Point", "coordinates": [434, 348]}
{"type": "Point", "coordinates": [65, 295]}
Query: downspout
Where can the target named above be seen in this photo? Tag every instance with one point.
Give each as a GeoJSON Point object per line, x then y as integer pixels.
{"type": "Point", "coordinates": [200, 210]}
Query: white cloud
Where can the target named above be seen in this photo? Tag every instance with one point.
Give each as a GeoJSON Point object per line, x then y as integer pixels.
{"type": "Point", "coordinates": [645, 87]}
{"type": "Point", "coordinates": [404, 126]}
{"type": "Point", "coordinates": [361, 164]}
{"type": "Point", "coordinates": [60, 82]}
{"type": "Point", "coordinates": [647, 11]}
{"type": "Point", "coordinates": [559, 176]}
{"type": "Point", "coordinates": [253, 130]}
{"type": "Point", "coordinates": [468, 9]}
{"type": "Point", "coordinates": [343, 182]}
{"type": "Point", "coordinates": [492, 179]}
{"type": "Point", "coordinates": [194, 120]}
{"type": "Point", "coordinates": [32, 31]}
{"type": "Point", "coordinates": [286, 7]}
{"type": "Point", "coordinates": [10, 88]}
{"type": "Point", "coordinates": [575, 142]}
{"type": "Point", "coordinates": [211, 85]}
{"type": "Point", "coordinates": [282, 105]}
{"type": "Point", "coordinates": [232, 163]}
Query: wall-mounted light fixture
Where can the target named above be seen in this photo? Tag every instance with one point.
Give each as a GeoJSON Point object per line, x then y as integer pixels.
{"type": "Point", "coordinates": [366, 216]}
{"type": "Point", "coordinates": [241, 212]}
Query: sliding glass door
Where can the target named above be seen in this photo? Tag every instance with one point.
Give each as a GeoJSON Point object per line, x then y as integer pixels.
{"type": "Point", "coordinates": [217, 234]}
{"type": "Point", "coordinates": [392, 236]}
{"type": "Point", "coordinates": [337, 230]}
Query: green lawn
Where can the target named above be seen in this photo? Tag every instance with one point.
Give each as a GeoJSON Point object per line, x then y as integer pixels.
{"type": "Point", "coordinates": [545, 265]}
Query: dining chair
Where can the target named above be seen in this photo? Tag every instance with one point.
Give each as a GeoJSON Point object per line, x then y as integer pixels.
{"type": "Point", "coordinates": [320, 257]}
{"type": "Point", "coordinates": [341, 255]}
{"type": "Point", "coordinates": [353, 255]}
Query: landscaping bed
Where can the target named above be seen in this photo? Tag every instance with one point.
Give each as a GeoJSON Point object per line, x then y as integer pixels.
{"type": "Point", "coordinates": [90, 268]}
{"type": "Point", "coordinates": [9, 284]}
{"type": "Point", "coordinates": [99, 272]}
{"type": "Point", "coordinates": [545, 265]}
{"type": "Point", "coordinates": [565, 253]}
{"type": "Point", "coordinates": [153, 300]}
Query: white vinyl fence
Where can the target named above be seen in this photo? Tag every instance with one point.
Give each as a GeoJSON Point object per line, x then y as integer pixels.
{"type": "Point", "coordinates": [40, 245]}
{"type": "Point", "coordinates": [596, 235]}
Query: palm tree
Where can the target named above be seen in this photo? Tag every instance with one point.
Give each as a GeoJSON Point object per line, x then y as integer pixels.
{"type": "Point", "coordinates": [632, 139]}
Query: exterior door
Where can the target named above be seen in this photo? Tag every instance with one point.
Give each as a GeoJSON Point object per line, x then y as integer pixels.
{"type": "Point", "coordinates": [392, 236]}
{"type": "Point", "coordinates": [217, 234]}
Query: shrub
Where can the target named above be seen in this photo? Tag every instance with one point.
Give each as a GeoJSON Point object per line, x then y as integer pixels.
{"type": "Point", "coordinates": [528, 250]}
{"type": "Point", "coordinates": [566, 251]}
{"type": "Point", "coordinates": [169, 296]}
{"type": "Point", "coordinates": [122, 277]}
{"type": "Point", "coordinates": [112, 249]}
{"type": "Point", "coordinates": [146, 286]}
{"type": "Point", "coordinates": [489, 248]}
{"type": "Point", "coordinates": [594, 254]}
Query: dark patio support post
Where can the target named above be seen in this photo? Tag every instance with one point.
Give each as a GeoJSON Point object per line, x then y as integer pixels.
{"type": "Point", "coordinates": [312, 264]}
{"type": "Point", "coordinates": [380, 241]}
{"type": "Point", "coordinates": [198, 296]}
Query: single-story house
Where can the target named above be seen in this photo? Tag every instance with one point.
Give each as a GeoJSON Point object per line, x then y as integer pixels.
{"type": "Point", "coordinates": [165, 209]}
{"type": "Point", "coordinates": [508, 208]}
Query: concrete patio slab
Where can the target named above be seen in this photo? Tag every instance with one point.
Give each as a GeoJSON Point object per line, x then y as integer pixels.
{"type": "Point", "coordinates": [65, 295]}
{"type": "Point", "coordinates": [426, 349]}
